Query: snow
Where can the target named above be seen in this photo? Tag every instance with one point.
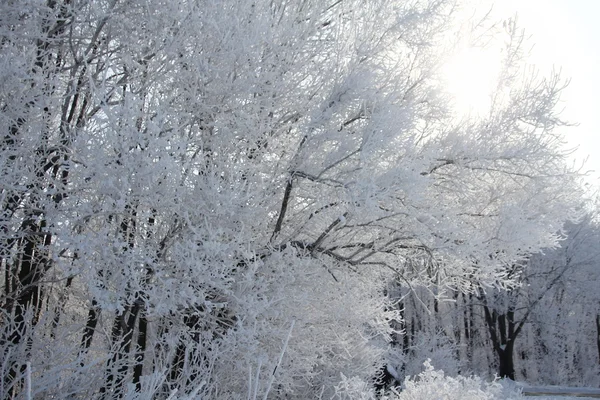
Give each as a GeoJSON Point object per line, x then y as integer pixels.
{"type": "Point", "coordinates": [537, 397]}
{"type": "Point", "coordinates": [556, 397]}
{"type": "Point", "coordinates": [560, 392]}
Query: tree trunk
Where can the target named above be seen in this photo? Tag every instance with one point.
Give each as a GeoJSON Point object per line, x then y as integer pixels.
{"type": "Point", "coordinates": [90, 327]}
{"type": "Point", "coordinates": [598, 335]}
{"type": "Point", "coordinates": [116, 339]}
{"type": "Point", "coordinates": [503, 334]}
{"type": "Point", "coordinates": [468, 326]}
{"type": "Point", "coordinates": [122, 335]}
{"type": "Point", "coordinates": [506, 358]}
{"type": "Point", "coordinates": [141, 348]}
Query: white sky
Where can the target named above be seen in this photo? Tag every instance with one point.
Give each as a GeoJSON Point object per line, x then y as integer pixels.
{"type": "Point", "coordinates": [566, 34]}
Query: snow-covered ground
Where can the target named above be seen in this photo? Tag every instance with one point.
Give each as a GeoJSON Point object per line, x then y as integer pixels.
{"type": "Point", "coordinates": [558, 397]}
{"type": "Point", "coordinates": [555, 398]}
{"type": "Point", "coordinates": [560, 392]}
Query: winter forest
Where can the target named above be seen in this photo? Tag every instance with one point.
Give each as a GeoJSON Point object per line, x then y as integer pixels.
{"type": "Point", "coordinates": [277, 199]}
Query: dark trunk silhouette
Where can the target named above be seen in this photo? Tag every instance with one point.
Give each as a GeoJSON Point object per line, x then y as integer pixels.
{"type": "Point", "coordinates": [503, 332]}
{"type": "Point", "coordinates": [507, 366]}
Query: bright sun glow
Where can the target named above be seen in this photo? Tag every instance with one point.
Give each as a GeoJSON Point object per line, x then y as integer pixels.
{"type": "Point", "coordinates": [470, 78]}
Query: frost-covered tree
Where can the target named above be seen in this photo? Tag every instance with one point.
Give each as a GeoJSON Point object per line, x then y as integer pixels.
{"type": "Point", "coordinates": [207, 198]}
{"type": "Point", "coordinates": [542, 330]}
{"type": "Point", "coordinates": [563, 332]}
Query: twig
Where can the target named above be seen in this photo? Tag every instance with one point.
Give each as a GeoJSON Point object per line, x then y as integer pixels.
{"type": "Point", "coordinates": [28, 381]}
{"type": "Point", "coordinates": [256, 380]}
{"type": "Point", "coordinates": [172, 395]}
{"type": "Point", "coordinates": [285, 344]}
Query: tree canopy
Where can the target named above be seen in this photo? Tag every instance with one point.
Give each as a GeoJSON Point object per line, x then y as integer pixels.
{"type": "Point", "coordinates": [209, 197]}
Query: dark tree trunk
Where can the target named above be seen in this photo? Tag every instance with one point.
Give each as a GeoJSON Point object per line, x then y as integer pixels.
{"type": "Point", "coordinates": [141, 349]}
{"type": "Point", "coordinates": [501, 328]}
{"type": "Point", "coordinates": [598, 335]}
{"type": "Point", "coordinates": [122, 334]}
{"type": "Point", "coordinates": [90, 327]}
{"type": "Point", "coordinates": [58, 309]}
{"type": "Point", "coordinates": [116, 337]}
{"type": "Point", "coordinates": [177, 364]}
{"type": "Point", "coordinates": [185, 344]}
{"type": "Point", "coordinates": [506, 358]}
{"type": "Point", "coordinates": [126, 347]}
{"type": "Point", "coordinates": [468, 326]}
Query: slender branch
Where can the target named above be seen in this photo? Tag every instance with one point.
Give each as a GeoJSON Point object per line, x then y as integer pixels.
{"type": "Point", "coordinates": [323, 235]}
{"type": "Point", "coordinates": [284, 206]}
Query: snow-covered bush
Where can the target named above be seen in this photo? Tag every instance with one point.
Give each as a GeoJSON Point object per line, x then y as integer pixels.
{"type": "Point", "coordinates": [436, 347]}
{"type": "Point", "coordinates": [433, 384]}
{"type": "Point", "coordinates": [352, 389]}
